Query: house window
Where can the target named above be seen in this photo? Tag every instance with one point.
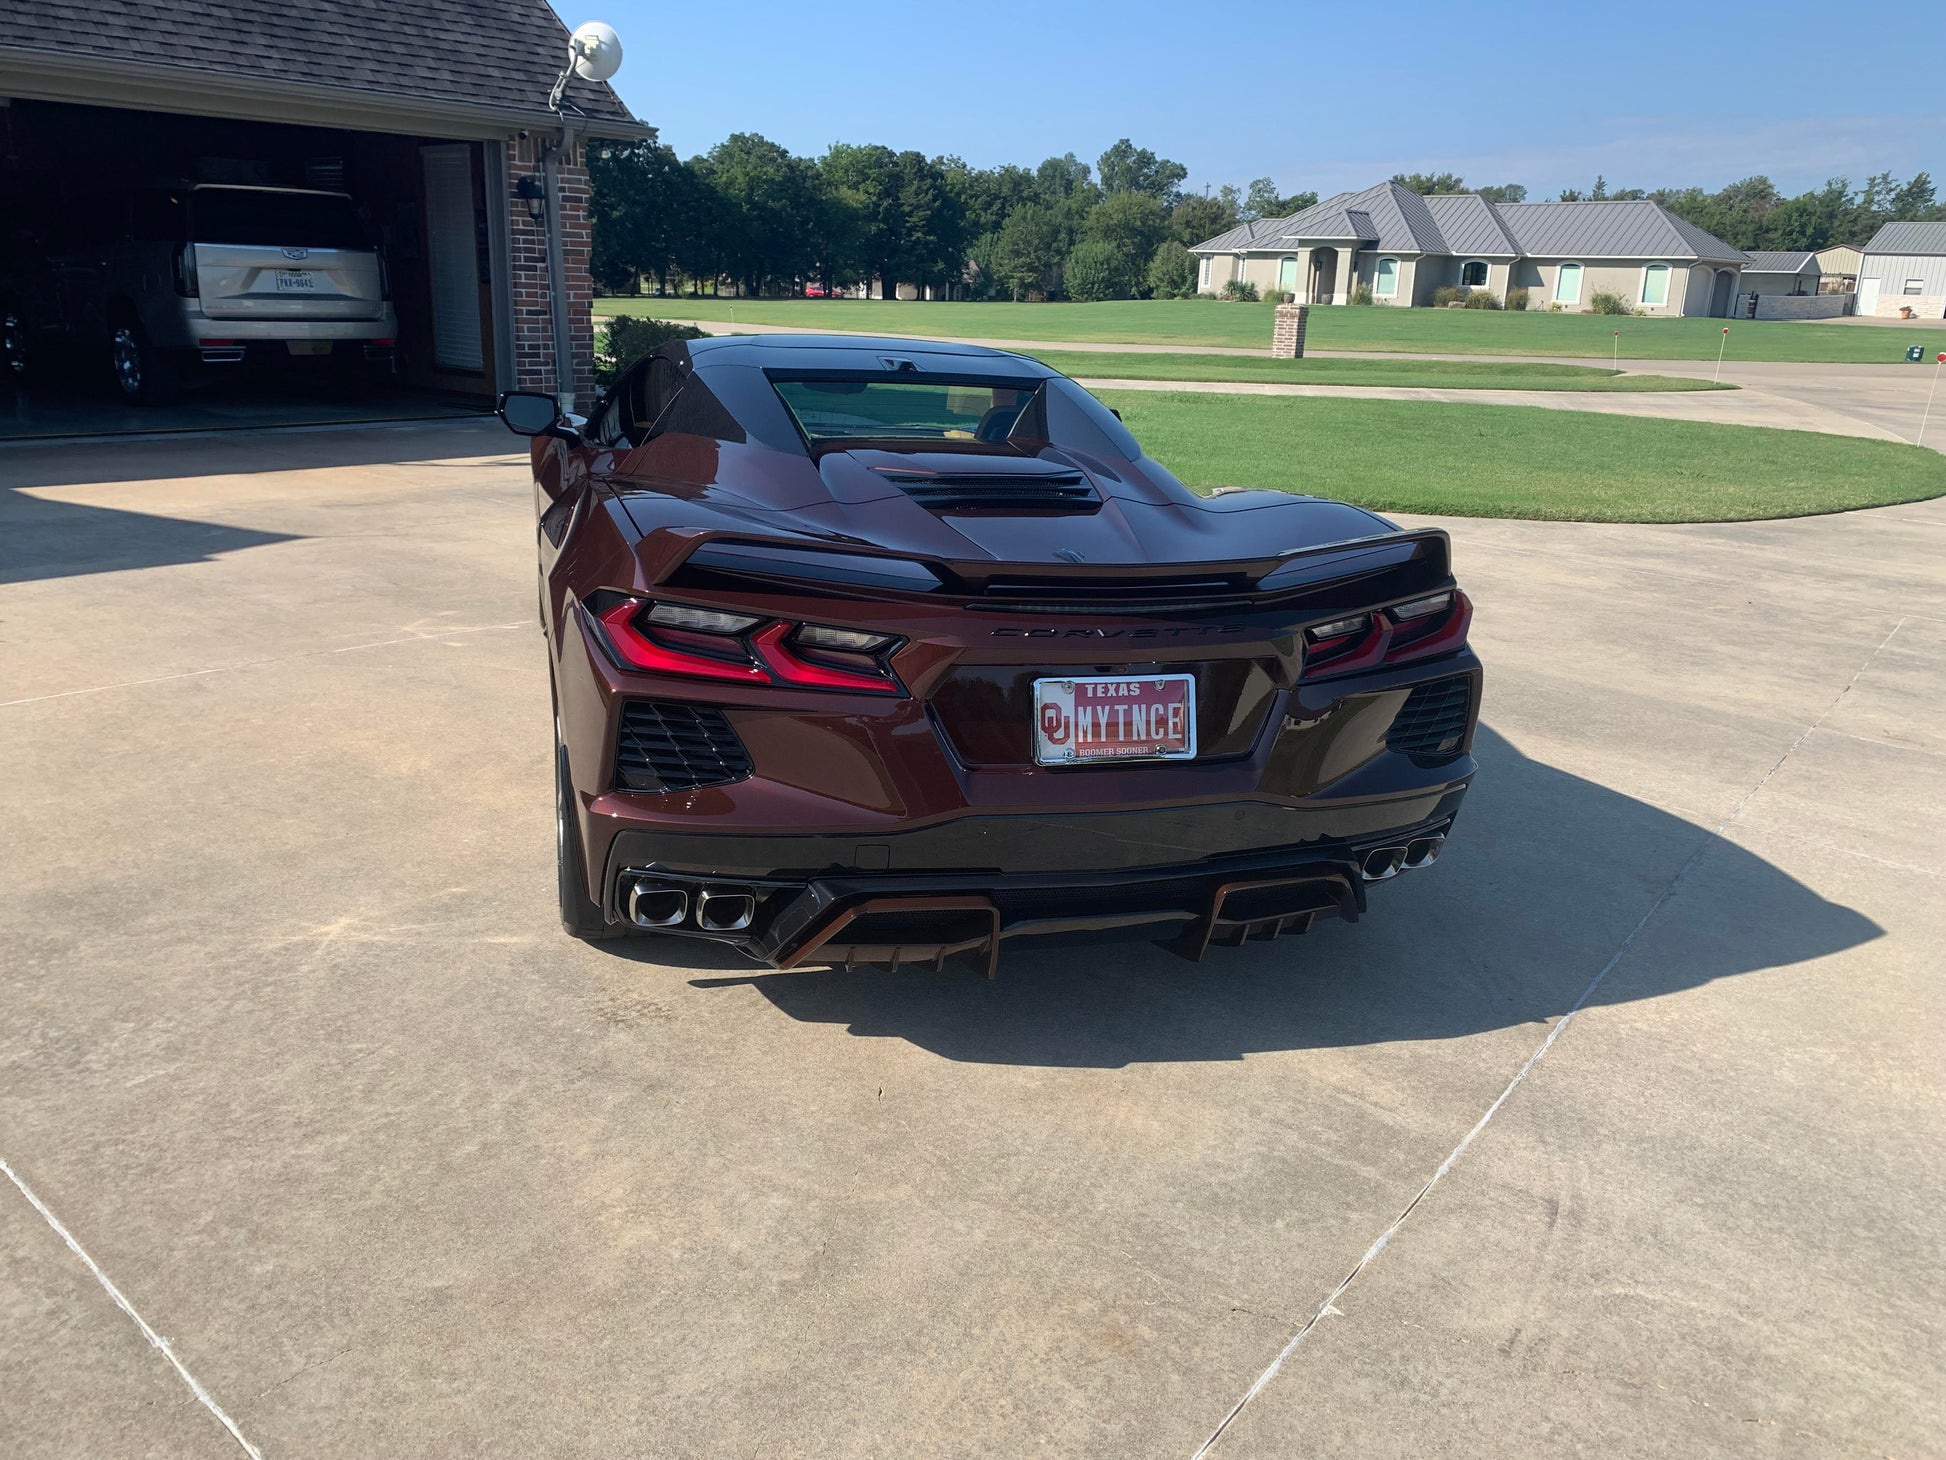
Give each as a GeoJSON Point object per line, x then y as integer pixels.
{"type": "Point", "coordinates": [1203, 280]}
{"type": "Point", "coordinates": [1287, 275]}
{"type": "Point", "coordinates": [1241, 261]}
{"type": "Point", "coordinates": [1567, 284]}
{"type": "Point", "coordinates": [1473, 274]}
{"type": "Point", "coordinates": [1386, 284]}
{"type": "Point", "coordinates": [1655, 284]}
{"type": "Point", "coordinates": [1915, 286]}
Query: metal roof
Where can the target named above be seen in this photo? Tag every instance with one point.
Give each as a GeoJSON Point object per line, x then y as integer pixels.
{"type": "Point", "coordinates": [1769, 261]}
{"type": "Point", "coordinates": [468, 58]}
{"type": "Point", "coordinates": [1470, 225]}
{"type": "Point", "coordinates": [1396, 219]}
{"type": "Point", "coordinates": [1909, 238]}
{"type": "Point", "coordinates": [1632, 228]}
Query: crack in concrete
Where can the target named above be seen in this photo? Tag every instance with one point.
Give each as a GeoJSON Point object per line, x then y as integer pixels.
{"type": "Point", "coordinates": [1329, 1306]}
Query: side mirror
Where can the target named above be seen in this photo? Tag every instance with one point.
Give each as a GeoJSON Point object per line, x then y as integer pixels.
{"type": "Point", "coordinates": [530, 413]}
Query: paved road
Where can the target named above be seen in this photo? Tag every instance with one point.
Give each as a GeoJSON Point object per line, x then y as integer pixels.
{"type": "Point", "coordinates": [290, 1043]}
{"type": "Point", "coordinates": [1882, 402]}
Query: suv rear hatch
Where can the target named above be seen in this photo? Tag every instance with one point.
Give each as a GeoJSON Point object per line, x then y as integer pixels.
{"type": "Point", "coordinates": [283, 254]}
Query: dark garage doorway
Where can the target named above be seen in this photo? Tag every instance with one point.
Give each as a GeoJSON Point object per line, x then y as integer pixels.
{"type": "Point", "coordinates": [423, 201]}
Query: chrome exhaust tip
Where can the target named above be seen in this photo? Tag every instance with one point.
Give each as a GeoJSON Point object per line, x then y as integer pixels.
{"type": "Point", "coordinates": [1424, 851]}
{"type": "Point", "coordinates": [725, 910]}
{"type": "Point", "coordinates": [1381, 864]}
{"type": "Point", "coordinates": [656, 904]}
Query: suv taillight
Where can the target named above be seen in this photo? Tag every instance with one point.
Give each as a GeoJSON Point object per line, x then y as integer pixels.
{"type": "Point", "coordinates": [185, 271]}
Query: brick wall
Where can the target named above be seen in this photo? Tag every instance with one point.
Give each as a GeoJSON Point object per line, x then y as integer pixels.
{"type": "Point", "coordinates": [1287, 331]}
{"type": "Point", "coordinates": [534, 367]}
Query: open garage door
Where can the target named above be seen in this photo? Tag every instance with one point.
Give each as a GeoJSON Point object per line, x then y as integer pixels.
{"type": "Point", "coordinates": [175, 272]}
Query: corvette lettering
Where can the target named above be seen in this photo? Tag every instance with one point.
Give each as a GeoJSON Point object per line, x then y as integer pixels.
{"type": "Point", "coordinates": [1168, 633]}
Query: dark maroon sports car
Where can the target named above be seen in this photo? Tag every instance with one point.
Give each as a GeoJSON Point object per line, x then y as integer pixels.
{"type": "Point", "coordinates": [879, 651]}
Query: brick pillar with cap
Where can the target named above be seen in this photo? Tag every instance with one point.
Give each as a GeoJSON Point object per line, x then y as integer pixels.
{"type": "Point", "coordinates": [1287, 335]}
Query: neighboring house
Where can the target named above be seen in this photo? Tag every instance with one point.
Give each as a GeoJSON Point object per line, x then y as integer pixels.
{"type": "Point", "coordinates": [432, 114]}
{"type": "Point", "coordinates": [1786, 285]}
{"type": "Point", "coordinates": [1904, 266]}
{"type": "Point", "coordinates": [1838, 269]}
{"type": "Point", "coordinates": [1406, 247]}
{"type": "Point", "coordinates": [1781, 273]}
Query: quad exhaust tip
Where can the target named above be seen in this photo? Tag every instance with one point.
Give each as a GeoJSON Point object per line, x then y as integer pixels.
{"type": "Point", "coordinates": [725, 910]}
{"type": "Point", "coordinates": [1381, 864]}
{"type": "Point", "coordinates": [656, 904]}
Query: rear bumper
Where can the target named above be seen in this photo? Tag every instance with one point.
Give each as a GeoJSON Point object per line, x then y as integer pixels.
{"type": "Point", "coordinates": [1215, 873]}
{"type": "Point", "coordinates": [186, 328]}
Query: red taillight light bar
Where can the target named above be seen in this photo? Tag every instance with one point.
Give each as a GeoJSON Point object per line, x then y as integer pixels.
{"type": "Point", "coordinates": [765, 656]}
{"type": "Point", "coordinates": [1406, 631]}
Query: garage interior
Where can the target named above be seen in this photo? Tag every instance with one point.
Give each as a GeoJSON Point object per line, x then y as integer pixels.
{"type": "Point", "coordinates": [426, 202]}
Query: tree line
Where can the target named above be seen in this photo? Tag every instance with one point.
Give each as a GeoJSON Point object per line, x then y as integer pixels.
{"type": "Point", "coordinates": [750, 214]}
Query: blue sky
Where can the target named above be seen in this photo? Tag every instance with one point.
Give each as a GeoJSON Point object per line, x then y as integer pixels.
{"type": "Point", "coordinates": [1318, 95]}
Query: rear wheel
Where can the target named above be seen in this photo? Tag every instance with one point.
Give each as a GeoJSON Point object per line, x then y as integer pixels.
{"type": "Point", "coordinates": [143, 375]}
{"type": "Point", "coordinates": [580, 914]}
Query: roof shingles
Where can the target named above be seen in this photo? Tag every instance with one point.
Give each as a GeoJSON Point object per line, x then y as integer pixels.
{"type": "Point", "coordinates": [493, 52]}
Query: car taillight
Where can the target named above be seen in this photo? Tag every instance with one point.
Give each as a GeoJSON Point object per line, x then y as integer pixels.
{"type": "Point", "coordinates": [184, 269]}
{"type": "Point", "coordinates": [708, 643]}
{"type": "Point", "coordinates": [1416, 629]}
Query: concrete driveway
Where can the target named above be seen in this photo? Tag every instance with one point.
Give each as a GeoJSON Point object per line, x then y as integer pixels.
{"type": "Point", "coordinates": [1615, 1134]}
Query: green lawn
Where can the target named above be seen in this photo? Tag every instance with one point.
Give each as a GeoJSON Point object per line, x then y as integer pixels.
{"type": "Point", "coordinates": [1438, 374]}
{"type": "Point", "coordinates": [1203, 322]}
{"type": "Point", "coordinates": [1520, 461]}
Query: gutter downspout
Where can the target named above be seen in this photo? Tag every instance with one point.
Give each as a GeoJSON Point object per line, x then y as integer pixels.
{"type": "Point", "coordinates": [556, 269]}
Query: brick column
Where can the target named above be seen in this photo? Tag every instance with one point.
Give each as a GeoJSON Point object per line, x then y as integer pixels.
{"type": "Point", "coordinates": [1287, 335]}
{"type": "Point", "coordinates": [533, 322]}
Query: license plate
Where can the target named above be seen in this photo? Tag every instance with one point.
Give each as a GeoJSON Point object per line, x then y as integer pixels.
{"type": "Point", "coordinates": [1114, 717]}
{"type": "Point", "coordinates": [296, 281]}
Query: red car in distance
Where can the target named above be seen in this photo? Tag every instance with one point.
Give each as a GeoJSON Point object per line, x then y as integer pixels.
{"type": "Point", "coordinates": [882, 651]}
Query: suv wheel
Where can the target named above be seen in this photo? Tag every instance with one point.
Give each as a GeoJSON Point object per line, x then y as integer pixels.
{"type": "Point", "coordinates": [581, 917]}
{"type": "Point", "coordinates": [141, 375]}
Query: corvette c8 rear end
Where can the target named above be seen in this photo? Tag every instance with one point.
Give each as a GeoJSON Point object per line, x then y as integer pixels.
{"type": "Point", "coordinates": [864, 656]}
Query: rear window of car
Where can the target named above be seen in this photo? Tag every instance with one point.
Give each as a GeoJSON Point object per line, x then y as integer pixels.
{"type": "Point", "coordinates": [275, 220]}
{"type": "Point", "coordinates": [899, 410]}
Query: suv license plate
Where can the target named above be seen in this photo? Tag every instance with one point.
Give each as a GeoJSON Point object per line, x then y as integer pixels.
{"type": "Point", "coordinates": [1147, 717]}
{"type": "Point", "coordinates": [296, 281]}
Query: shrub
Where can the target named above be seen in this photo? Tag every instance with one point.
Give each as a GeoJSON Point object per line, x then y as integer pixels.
{"type": "Point", "coordinates": [1604, 301]}
{"type": "Point", "coordinates": [1481, 299]}
{"type": "Point", "coordinates": [1172, 271]}
{"type": "Point", "coordinates": [1448, 294]}
{"type": "Point", "coordinates": [1275, 296]}
{"type": "Point", "coordinates": [1241, 291]}
{"type": "Point", "coordinates": [628, 338]}
{"type": "Point", "coordinates": [1516, 299]}
{"type": "Point", "coordinates": [1362, 294]}
{"type": "Point", "coordinates": [1094, 271]}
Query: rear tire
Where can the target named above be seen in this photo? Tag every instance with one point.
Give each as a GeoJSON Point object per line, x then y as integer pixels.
{"type": "Point", "coordinates": [581, 917]}
{"type": "Point", "coordinates": [143, 375]}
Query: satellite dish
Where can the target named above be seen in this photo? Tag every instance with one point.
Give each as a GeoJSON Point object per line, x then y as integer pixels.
{"type": "Point", "coordinates": [597, 51]}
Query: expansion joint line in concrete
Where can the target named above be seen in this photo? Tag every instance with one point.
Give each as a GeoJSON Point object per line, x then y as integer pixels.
{"type": "Point", "coordinates": [1329, 1305]}
{"type": "Point", "coordinates": [161, 1343]}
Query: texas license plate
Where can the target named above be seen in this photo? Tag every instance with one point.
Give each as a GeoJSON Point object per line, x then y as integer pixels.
{"type": "Point", "coordinates": [296, 281]}
{"type": "Point", "coordinates": [1112, 717]}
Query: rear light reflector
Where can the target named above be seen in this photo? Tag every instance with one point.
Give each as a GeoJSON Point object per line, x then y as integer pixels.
{"type": "Point", "coordinates": [1338, 628]}
{"type": "Point", "coordinates": [855, 641]}
{"type": "Point", "coordinates": [790, 669]}
{"type": "Point", "coordinates": [638, 651]}
{"type": "Point", "coordinates": [1420, 607]}
{"type": "Point", "coordinates": [702, 620]}
{"type": "Point", "coordinates": [214, 344]}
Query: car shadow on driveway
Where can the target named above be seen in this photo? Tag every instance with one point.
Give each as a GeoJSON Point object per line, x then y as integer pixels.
{"type": "Point", "coordinates": [44, 538]}
{"type": "Point", "coordinates": [1546, 876]}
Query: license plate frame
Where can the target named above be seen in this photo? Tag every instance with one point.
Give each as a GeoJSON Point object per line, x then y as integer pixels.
{"type": "Point", "coordinates": [295, 281]}
{"type": "Point", "coordinates": [1075, 721]}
